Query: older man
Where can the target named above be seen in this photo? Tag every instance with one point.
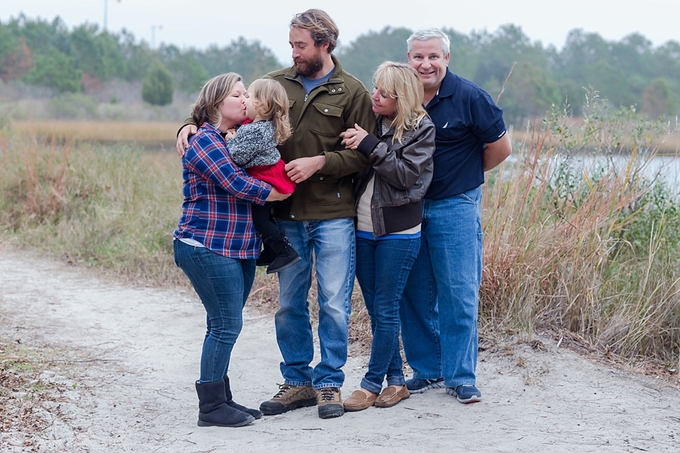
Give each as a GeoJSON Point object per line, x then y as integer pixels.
{"type": "Point", "coordinates": [440, 304]}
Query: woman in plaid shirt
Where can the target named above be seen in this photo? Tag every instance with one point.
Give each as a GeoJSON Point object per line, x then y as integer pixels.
{"type": "Point", "coordinates": [216, 243]}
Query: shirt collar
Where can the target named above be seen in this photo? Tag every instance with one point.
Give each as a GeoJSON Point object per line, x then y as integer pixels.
{"type": "Point", "coordinates": [448, 85]}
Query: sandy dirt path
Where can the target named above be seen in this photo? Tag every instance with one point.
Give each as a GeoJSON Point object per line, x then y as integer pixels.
{"type": "Point", "coordinates": [129, 356]}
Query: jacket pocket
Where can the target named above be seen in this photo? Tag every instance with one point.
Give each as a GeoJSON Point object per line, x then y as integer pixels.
{"type": "Point", "coordinates": [327, 121]}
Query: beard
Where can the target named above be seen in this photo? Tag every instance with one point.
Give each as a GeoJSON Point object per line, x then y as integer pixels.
{"type": "Point", "coordinates": [309, 68]}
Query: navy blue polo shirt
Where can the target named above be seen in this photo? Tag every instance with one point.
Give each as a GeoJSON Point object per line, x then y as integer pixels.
{"type": "Point", "coordinates": [466, 118]}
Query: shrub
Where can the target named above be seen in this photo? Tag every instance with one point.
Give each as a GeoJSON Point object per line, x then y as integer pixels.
{"type": "Point", "coordinates": [158, 88]}
{"type": "Point", "coordinates": [73, 106]}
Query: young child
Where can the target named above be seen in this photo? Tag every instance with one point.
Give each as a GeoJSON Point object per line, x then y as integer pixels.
{"type": "Point", "coordinates": [253, 147]}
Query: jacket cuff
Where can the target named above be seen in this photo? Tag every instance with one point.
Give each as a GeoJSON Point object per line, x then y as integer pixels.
{"type": "Point", "coordinates": [368, 144]}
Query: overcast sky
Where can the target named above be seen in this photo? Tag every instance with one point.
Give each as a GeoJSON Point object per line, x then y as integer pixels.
{"type": "Point", "coordinates": [200, 23]}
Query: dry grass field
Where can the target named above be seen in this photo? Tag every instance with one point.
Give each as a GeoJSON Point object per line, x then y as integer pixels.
{"type": "Point", "coordinates": [667, 144]}
{"type": "Point", "coordinates": [150, 134]}
{"type": "Point", "coordinates": [565, 251]}
{"type": "Point", "coordinates": [146, 134]}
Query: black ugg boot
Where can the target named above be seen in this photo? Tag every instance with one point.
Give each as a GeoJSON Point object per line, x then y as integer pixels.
{"type": "Point", "coordinates": [286, 255]}
{"type": "Point", "coordinates": [213, 409]}
{"type": "Point", "coordinates": [266, 257]}
{"type": "Point", "coordinates": [231, 403]}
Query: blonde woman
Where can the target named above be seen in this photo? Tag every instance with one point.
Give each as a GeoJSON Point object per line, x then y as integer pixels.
{"type": "Point", "coordinates": [389, 213]}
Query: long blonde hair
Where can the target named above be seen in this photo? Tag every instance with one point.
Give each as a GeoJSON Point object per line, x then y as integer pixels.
{"type": "Point", "coordinates": [213, 92]}
{"type": "Point", "coordinates": [401, 82]}
{"type": "Point", "coordinates": [271, 103]}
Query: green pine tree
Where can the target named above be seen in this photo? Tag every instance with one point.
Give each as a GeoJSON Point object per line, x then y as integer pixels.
{"type": "Point", "coordinates": [158, 88]}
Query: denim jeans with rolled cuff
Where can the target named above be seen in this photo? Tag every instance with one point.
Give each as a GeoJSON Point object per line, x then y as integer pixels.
{"type": "Point", "coordinates": [383, 266]}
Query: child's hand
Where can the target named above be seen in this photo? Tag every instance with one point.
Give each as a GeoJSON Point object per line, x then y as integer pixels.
{"type": "Point", "coordinates": [230, 133]}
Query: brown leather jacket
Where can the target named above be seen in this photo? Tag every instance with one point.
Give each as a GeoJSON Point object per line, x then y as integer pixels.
{"type": "Point", "coordinates": [403, 173]}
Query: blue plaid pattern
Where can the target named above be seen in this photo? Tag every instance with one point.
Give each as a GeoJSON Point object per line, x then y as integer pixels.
{"type": "Point", "coordinates": [217, 198]}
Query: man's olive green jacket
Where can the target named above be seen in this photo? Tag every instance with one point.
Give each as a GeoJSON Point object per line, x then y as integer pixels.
{"type": "Point", "coordinates": [317, 120]}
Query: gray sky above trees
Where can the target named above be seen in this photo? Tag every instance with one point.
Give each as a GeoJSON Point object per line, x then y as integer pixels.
{"type": "Point", "coordinates": [203, 22]}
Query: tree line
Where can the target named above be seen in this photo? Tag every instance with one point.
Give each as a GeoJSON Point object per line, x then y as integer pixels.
{"type": "Point", "coordinates": [526, 77]}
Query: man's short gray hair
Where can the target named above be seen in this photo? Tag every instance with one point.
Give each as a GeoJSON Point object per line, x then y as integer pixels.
{"type": "Point", "coordinates": [425, 34]}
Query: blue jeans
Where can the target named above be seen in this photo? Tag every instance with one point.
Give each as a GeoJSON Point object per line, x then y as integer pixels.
{"type": "Point", "coordinates": [441, 299]}
{"type": "Point", "coordinates": [382, 269]}
{"type": "Point", "coordinates": [223, 285]}
{"type": "Point", "coordinates": [332, 243]}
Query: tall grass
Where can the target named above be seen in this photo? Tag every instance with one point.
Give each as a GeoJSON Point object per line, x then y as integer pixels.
{"type": "Point", "coordinates": [113, 207]}
{"type": "Point", "coordinates": [581, 239]}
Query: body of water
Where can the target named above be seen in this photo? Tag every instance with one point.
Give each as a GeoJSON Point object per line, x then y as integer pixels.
{"type": "Point", "coordinates": [666, 168]}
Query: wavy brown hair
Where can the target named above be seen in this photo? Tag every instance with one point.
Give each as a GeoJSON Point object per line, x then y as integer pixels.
{"type": "Point", "coordinates": [213, 92]}
{"type": "Point", "coordinates": [320, 25]}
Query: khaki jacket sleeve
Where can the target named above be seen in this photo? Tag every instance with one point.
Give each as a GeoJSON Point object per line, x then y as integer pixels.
{"type": "Point", "coordinates": [345, 162]}
{"type": "Point", "coordinates": [187, 122]}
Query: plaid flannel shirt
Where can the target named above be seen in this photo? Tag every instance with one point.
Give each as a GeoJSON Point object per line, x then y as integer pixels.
{"type": "Point", "coordinates": [217, 198]}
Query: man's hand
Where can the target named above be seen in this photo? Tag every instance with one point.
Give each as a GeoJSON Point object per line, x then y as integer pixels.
{"type": "Point", "coordinates": [301, 169]}
{"type": "Point", "coordinates": [183, 138]}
